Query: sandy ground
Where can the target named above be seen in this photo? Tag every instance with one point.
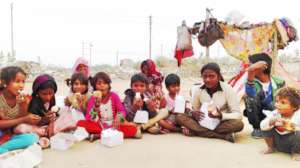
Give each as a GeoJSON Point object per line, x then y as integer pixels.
{"type": "Point", "coordinates": [172, 150]}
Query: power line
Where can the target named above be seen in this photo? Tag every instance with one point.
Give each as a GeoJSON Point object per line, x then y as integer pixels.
{"type": "Point", "coordinates": [12, 31]}
{"type": "Point", "coordinates": [150, 37]}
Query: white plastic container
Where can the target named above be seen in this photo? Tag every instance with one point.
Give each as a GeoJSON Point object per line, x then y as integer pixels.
{"type": "Point", "coordinates": [62, 141]}
{"type": "Point", "coordinates": [179, 104]}
{"type": "Point", "coordinates": [80, 134]}
{"type": "Point", "coordinates": [138, 96]}
{"type": "Point", "coordinates": [111, 137]}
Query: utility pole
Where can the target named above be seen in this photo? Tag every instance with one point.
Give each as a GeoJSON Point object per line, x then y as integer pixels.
{"type": "Point", "coordinates": [12, 30]}
{"type": "Point", "coordinates": [161, 50]}
{"type": "Point", "coordinates": [91, 45]}
{"type": "Point", "coordinates": [117, 58]}
{"type": "Point", "coordinates": [150, 38]}
{"type": "Point", "coordinates": [82, 54]}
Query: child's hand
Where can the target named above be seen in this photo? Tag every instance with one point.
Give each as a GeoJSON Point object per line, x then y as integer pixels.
{"type": "Point", "coordinates": [50, 116]}
{"type": "Point", "coordinates": [258, 65]}
{"type": "Point", "coordinates": [280, 125]}
{"type": "Point", "coordinates": [151, 105]}
{"type": "Point", "coordinates": [137, 103]}
{"type": "Point", "coordinates": [97, 94]}
{"type": "Point", "coordinates": [94, 114]}
{"type": "Point", "coordinates": [279, 122]}
{"type": "Point", "coordinates": [79, 98]}
{"type": "Point", "coordinates": [198, 115]}
{"type": "Point", "coordinates": [82, 103]}
{"type": "Point", "coordinates": [67, 102]}
{"type": "Point", "coordinates": [23, 99]}
{"type": "Point", "coordinates": [95, 118]}
{"type": "Point", "coordinates": [97, 102]}
{"type": "Point", "coordinates": [163, 103]}
{"type": "Point", "coordinates": [187, 111]}
{"type": "Point", "coordinates": [32, 119]}
{"type": "Point", "coordinates": [116, 123]}
{"type": "Point", "coordinates": [215, 114]}
{"type": "Point", "coordinates": [272, 121]}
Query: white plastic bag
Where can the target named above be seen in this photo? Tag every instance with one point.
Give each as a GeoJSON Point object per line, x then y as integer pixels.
{"type": "Point", "coordinates": [68, 118]}
{"type": "Point", "coordinates": [141, 117]}
{"type": "Point", "coordinates": [234, 17]}
{"type": "Point", "coordinates": [28, 158]}
{"type": "Point", "coordinates": [184, 38]}
{"type": "Point", "coordinates": [77, 115]}
{"type": "Point", "coordinates": [207, 122]}
{"type": "Point", "coordinates": [111, 137]}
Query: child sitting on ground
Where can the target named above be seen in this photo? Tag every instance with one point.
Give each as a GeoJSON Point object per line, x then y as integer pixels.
{"type": "Point", "coordinates": [145, 102]}
{"type": "Point", "coordinates": [105, 110]}
{"type": "Point", "coordinates": [281, 127]}
{"type": "Point", "coordinates": [169, 124]}
{"type": "Point", "coordinates": [13, 111]}
{"type": "Point", "coordinates": [79, 95]}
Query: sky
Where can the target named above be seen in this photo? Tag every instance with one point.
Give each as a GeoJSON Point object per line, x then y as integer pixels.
{"type": "Point", "coordinates": [55, 30]}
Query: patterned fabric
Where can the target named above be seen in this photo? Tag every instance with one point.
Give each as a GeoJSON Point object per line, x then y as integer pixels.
{"type": "Point", "coordinates": [240, 43]}
{"type": "Point", "coordinates": [11, 112]}
{"type": "Point", "coordinates": [106, 113]}
{"type": "Point", "coordinates": [116, 106]}
{"type": "Point", "coordinates": [171, 119]}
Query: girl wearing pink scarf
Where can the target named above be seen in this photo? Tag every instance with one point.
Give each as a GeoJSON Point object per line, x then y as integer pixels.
{"type": "Point", "coordinates": [82, 65]}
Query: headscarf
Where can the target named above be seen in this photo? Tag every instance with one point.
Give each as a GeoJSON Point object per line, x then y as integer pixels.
{"type": "Point", "coordinates": [42, 80]}
{"type": "Point", "coordinates": [152, 67]}
{"type": "Point", "coordinates": [36, 105]}
{"type": "Point", "coordinates": [154, 76]}
{"type": "Point", "coordinates": [83, 61]}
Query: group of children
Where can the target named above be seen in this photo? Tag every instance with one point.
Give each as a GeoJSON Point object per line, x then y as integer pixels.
{"type": "Point", "coordinates": [27, 119]}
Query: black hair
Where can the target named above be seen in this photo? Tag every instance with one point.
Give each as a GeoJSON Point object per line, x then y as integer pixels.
{"type": "Point", "coordinates": [47, 85]}
{"type": "Point", "coordinates": [8, 74]}
{"type": "Point", "coordinates": [100, 76]}
{"type": "Point", "coordinates": [290, 93]}
{"type": "Point", "coordinates": [214, 67]}
{"type": "Point", "coordinates": [262, 57]}
{"type": "Point", "coordinates": [144, 63]}
{"type": "Point", "coordinates": [140, 77]}
{"type": "Point", "coordinates": [82, 79]}
{"type": "Point", "coordinates": [172, 79]}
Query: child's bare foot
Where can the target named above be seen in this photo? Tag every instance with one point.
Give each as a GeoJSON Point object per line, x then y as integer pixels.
{"type": "Point", "coordinates": [93, 137]}
{"type": "Point", "coordinates": [138, 133]}
{"type": "Point", "coordinates": [177, 129]}
{"type": "Point", "coordinates": [268, 151]}
{"type": "Point", "coordinates": [296, 156]}
{"type": "Point", "coordinates": [42, 131]}
{"type": "Point", "coordinates": [187, 132]}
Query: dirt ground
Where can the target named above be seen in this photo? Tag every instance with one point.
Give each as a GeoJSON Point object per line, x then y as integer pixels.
{"type": "Point", "coordinates": [171, 150]}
